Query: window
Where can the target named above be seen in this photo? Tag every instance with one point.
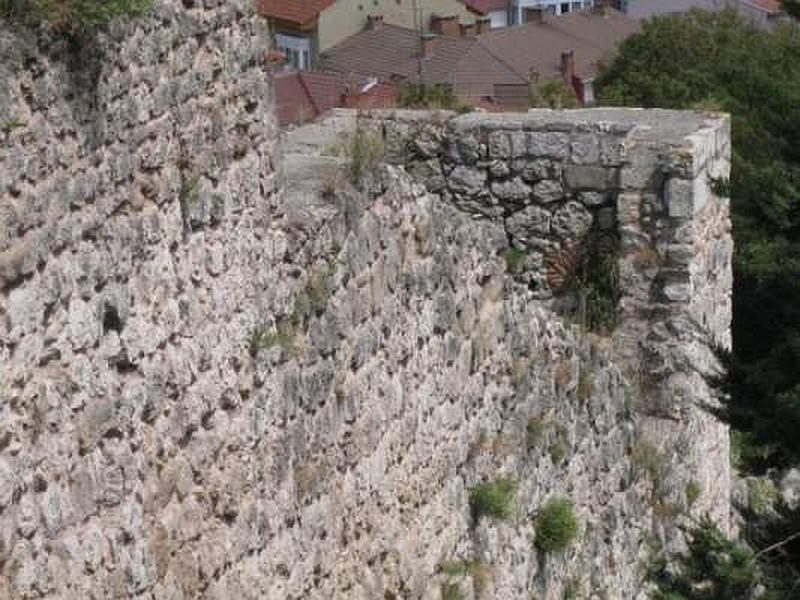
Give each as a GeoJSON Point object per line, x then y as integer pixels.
{"type": "Point", "coordinates": [564, 8]}
{"type": "Point", "coordinates": [577, 6]}
{"type": "Point", "coordinates": [297, 50]}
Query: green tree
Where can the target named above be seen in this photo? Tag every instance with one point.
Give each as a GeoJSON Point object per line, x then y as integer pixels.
{"type": "Point", "coordinates": [700, 59]}
{"type": "Point", "coordinates": [712, 568]}
{"type": "Point", "coordinates": [717, 60]}
{"type": "Point", "coordinates": [792, 7]}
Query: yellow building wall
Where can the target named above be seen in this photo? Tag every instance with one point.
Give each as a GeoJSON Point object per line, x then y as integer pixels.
{"type": "Point", "coordinates": [347, 17]}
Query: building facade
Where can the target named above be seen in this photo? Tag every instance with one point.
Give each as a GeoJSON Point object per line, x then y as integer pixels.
{"type": "Point", "coordinates": [520, 8]}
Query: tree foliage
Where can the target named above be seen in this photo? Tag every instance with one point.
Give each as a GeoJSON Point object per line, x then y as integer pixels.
{"type": "Point", "coordinates": [716, 60]}
{"type": "Point", "coordinates": [712, 568]}
{"type": "Point", "coordinates": [704, 59]}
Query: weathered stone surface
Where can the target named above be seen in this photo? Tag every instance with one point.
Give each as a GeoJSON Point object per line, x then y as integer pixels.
{"type": "Point", "coordinates": [572, 221]}
{"type": "Point", "coordinates": [546, 192]}
{"type": "Point", "coordinates": [514, 190]}
{"type": "Point", "coordinates": [550, 144]}
{"type": "Point", "coordinates": [467, 180]}
{"type": "Point", "coordinates": [531, 221]}
{"type": "Point", "coordinates": [587, 178]}
{"type": "Point", "coordinates": [226, 383]}
{"type": "Point", "coordinates": [790, 488]}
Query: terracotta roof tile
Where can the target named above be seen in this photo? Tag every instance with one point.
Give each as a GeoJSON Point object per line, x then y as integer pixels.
{"type": "Point", "coordinates": [299, 12]}
{"type": "Point", "coordinates": [301, 96]}
{"type": "Point", "coordinates": [769, 6]}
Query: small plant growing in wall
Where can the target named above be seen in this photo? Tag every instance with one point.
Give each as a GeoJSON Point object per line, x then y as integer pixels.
{"type": "Point", "coordinates": [513, 258]}
{"type": "Point", "coordinates": [692, 492]}
{"type": "Point", "coordinates": [492, 499]}
{"type": "Point", "coordinates": [535, 431]}
{"type": "Point", "coordinates": [474, 568]}
{"type": "Point", "coordinates": [451, 591]}
{"type": "Point", "coordinates": [258, 340]}
{"type": "Point", "coordinates": [364, 152]}
{"type": "Point", "coordinates": [556, 525]}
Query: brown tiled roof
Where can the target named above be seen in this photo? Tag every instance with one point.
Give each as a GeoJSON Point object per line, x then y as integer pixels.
{"type": "Point", "coordinates": [480, 65]}
{"type": "Point", "coordinates": [393, 52]}
{"type": "Point", "coordinates": [486, 6]}
{"type": "Point", "coordinates": [538, 46]}
{"type": "Point", "coordinates": [299, 12]}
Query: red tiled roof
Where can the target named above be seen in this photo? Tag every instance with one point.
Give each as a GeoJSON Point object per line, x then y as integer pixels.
{"type": "Point", "coordinates": [299, 12]}
{"type": "Point", "coordinates": [769, 6]}
{"type": "Point", "coordinates": [301, 96]}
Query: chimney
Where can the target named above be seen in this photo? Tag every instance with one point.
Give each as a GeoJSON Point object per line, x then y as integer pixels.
{"type": "Point", "coordinates": [374, 21]}
{"type": "Point", "coordinates": [445, 26]}
{"type": "Point", "coordinates": [483, 25]}
{"type": "Point", "coordinates": [533, 15]}
{"type": "Point", "coordinates": [426, 43]}
{"type": "Point", "coordinates": [568, 66]}
{"type": "Point", "coordinates": [468, 30]}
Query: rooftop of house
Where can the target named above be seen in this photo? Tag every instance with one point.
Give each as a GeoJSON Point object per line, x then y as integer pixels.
{"type": "Point", "coordinates": [297, 12]}
{"type": "Point", "coordinates": [486, 6]}
{"type": "Point", "coordinates": [767, 6]}
{"type": "Point", "coordinates": [301, 96]}
{"type": "Point", "coordinates": [474, 64]}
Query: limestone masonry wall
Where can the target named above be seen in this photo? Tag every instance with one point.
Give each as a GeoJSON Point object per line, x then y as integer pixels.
{"type": "Point", "coordinates": [229, 372]}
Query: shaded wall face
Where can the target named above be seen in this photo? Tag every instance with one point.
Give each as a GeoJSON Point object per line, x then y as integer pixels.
{"type": "Point", "coordinates": [129, 187]}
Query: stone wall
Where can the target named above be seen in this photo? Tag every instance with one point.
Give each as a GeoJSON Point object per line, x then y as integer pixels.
{"type": "Point", "coordinates": [654, 181]}
{"type": "Point", "coordinates": [135, 179]}
{"type": "Point", "coordinates": [227, 379]}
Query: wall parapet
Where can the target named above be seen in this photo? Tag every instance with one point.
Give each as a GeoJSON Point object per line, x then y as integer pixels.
{"type": "Point", "coordinates": [651, 180]}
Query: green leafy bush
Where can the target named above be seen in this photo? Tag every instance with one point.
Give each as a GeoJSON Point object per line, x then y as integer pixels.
{"type": "Point", "coordinates": [556, 525]}
{"type": "Point", "coordinates": [492, 498]}
{"type": "Point", "coordinates": [712, 568]}
{"type": "Point", "coordinates": [71, 17]}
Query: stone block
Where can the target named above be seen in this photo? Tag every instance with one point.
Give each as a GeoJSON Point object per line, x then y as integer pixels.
{"type": "Point", "coordinates": [593, 198]}
{"type": "Point", "coordinates": [572, 221]}
{"type": "Point", "coordinates": [547, 191]}
{"type": "Point", "coordinates": [585, 150]}
{"type": "Point", "coordinates": [531, 221]}
{"type": "Point", "coordinates": [679, 195]}
{"type": "Point", "coordinates": [467, 180]}
{"type": "Point", "coordinates": [514, 190]}
{"type": "Point", "coordinates": [581, 177]}
{"type": "Point", "coordinates": [499, 145]}
{"type": "Point", "coordinates": [536, 170]}
{"type": "Point", "coordinates": [551, 144]}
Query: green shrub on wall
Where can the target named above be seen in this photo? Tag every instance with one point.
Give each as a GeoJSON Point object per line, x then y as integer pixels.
{"type": "Point", "coordinates": [556, 525]}
{"type": "Point", "coordinates": [492, 498]}
{"type": "Point", "coordinates": [73, 18]}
